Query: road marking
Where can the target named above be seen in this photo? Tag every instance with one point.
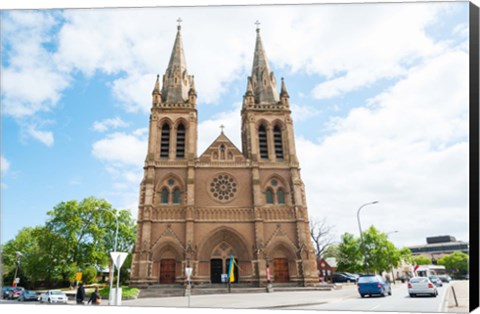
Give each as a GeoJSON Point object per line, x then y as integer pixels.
{"type": "Point", "coordinates": [442, 307]}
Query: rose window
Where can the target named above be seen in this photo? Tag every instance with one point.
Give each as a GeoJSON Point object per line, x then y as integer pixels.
{"type": "Point", "coordinates": [223, 187]}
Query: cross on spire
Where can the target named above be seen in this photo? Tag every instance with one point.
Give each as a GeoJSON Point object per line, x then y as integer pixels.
{"type": "Point", "coordinates": [222, 127]}
{"type": "Point", "coordinates": [179, 21]}
{"type": "Point", "coordinates": [258, 25]}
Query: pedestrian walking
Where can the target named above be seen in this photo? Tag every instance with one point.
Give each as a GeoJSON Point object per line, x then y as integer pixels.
{"type": "Point", "coordinates": [95, 298]}
{"type": "Point", "coordinates": [80, 294]}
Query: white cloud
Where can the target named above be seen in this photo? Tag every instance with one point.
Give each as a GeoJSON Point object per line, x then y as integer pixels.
{"type": "Point", "coordinates": [4, 165]}
{"type": "Point", "coordinates": [302, 113]}
{"type": "Point", "coordinates": [136, 43]}
{"type": "Point", "coordinates": [45, 137]}
{"type": "Point", "coordinates": [122, 149]}
{"type": "Point", "coordinates": [408, 150]}
{"type": "Point", "coordinates": [105, 125]}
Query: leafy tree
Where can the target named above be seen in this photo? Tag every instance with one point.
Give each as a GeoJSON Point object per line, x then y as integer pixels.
{"type": "Point", "coordinates": [421, 260]}
{"type": "Point", "coordinates": [89, 275]}
{"type": "Point", "coordinates": [331, 251]}
{"type": "Point", "coordinates": [456, 262]}
{"type": "Point", "coordinates": [320, 232]}
{"type": "Point", "coordinates": [381, 254]}
{"type": "Point", "coordinates": [77, 236]}
{"type": "Point", "coordinates": [349, 255]}
{"type": "Point", "coordinates": [88, 228]}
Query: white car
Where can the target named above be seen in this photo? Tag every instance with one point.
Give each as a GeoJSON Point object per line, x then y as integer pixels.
{"type": "Point", "coordinates": [53, 296]}
{"type": "Point", "coordinates": [421, 285]}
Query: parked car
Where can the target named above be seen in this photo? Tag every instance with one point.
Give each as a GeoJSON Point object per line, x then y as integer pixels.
{"type": "Point", "coordinates": [15, 293]}
{"type": "Point", "coordinates": [436, 280]}
{"type": "Point", "coordinates": [54, 296]}
{"type": "Point", "coordinates": [373, 284]}
{"type": "Point", "coordinates": [339, 277]}
{"type": "Point", "coordinates": [28, 295]}
{"type": "Point", "coordinates": [421, 285]}
{"type": "Point", "coordinates": [6, 292]}
{"type": "Point", "coordinates": [445, 278]}
{"type": "Point", "coordinates": [349, 275]}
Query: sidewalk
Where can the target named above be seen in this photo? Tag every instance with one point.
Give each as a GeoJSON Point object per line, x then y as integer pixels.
{"type": "Point", "coordinates": [461, 290]}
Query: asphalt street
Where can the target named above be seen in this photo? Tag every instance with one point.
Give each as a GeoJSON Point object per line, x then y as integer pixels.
{"type": "Point", "coordinates": [399, 301]}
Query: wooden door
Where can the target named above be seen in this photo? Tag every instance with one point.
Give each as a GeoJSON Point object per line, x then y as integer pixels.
{"type": "Point", "coordinates": [280, 270]}
{"type": "Point", "coordinates": [167, 271]}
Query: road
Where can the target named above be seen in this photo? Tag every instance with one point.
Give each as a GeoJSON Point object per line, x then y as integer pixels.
{"type": "Point", "coordinates": [344, 299]}
{"type": "Point", "coordinates": [399, 301]}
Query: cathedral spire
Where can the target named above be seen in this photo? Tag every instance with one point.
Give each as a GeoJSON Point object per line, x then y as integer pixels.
{"type": "Point", "coordinates": [263, 80]}
{"type": "Point", "coordinates": [156, 95]}
{"type": "Point", "coordinates": [176, 81]}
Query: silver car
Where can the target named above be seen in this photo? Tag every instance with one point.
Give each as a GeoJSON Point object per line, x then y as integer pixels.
{"type": "Point", "coordinates": [421, 285]}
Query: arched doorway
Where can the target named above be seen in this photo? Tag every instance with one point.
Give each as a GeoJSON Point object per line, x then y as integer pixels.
{"type": "Point", "coordinates": [280, 270]}
{"type": "Point", "coordinates": [167, 271]}
{"type": "Point", "coordinates": [220, 261]}
{"type": "Point", "coordinates": [216, 270]}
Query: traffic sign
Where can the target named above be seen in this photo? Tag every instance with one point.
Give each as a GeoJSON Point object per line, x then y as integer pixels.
{"type": "Point", "coordinates": [118, 258]}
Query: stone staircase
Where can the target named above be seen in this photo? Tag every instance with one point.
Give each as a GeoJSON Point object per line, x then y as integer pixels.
{"type": "Point", "coordinates": [176, 290]}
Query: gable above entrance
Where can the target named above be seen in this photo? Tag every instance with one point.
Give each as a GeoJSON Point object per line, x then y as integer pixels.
{"type": "Point", "coordinates": [222, 150]}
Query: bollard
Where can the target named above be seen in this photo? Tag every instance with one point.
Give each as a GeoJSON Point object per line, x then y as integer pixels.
{"type": "Point", "coordinates": [455, 297]}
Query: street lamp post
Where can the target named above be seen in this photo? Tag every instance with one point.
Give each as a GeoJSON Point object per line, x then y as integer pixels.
{"type": "Point", "coordinates": [114, 250]}
{"type": "Point", "coordinates": [391, 263]}
{"type": "Point", "coordinates": [361, 235]}
{"type": "Point", "coordinates": [19, 254]}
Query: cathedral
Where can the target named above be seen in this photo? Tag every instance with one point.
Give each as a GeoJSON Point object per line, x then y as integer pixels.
{"type": "Point", "coordinates": [201, 211]}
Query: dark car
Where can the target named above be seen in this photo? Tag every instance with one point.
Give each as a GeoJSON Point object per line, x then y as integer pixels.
{"type": "Point", "coordinates": [445, 278]}
{"type": "Point", "coordinates": [436, 280]}
{"type": "Point", "coordinates": [6, 292]}
{"type": "Point", "coordinates": [373, 285]}
{"type": "Point", "coordinates": [341, 277]}
{"type": "Point", "coordinates": [28, 295]}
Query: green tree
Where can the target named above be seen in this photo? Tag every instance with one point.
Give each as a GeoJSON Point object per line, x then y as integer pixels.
{"type": "Point", "coordinates": [87, 230]}
{"type": "Point", "coordinates": [77, 236]}
{"type": "Point", "coordinates": [421, 260]}
{"type": "Point", "coordinates": [331, 251]}
{"type": "Point", "coordinates": [89, 275]}
{"type": "Point", "coordinates": [381, 254]}
{"type": "Point", "coordinates": [455, 263]}
{"type": "Point", "coordinates": [349, 257]}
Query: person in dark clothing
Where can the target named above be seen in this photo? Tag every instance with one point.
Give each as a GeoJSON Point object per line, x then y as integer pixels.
{"type": "Point", "coordinates": [80, 294]}
{"type": "Point", "coordinates": [95, 297]}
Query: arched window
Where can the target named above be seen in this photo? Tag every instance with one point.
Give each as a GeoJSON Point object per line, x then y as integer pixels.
{"type": "Point", "coordinates": [262, 138]}
{"type": "Point", "coordinates": [280, 196]}
{"type": "Point", "coordinates": [176, 196]}
{"type": "Point", "coordinates": [277, 139]}
{"type": "Point", "coordinates": [165, 193]}
{"type": "Point", "coordinates": [181, 141]}
{"type": "Point", "coordinates": [165, 141]}
{"type": "Point", "coordinates": [269, 196]}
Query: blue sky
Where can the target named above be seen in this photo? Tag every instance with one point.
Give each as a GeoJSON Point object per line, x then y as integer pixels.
{"type": "Point", "coordinates": [379, 96]}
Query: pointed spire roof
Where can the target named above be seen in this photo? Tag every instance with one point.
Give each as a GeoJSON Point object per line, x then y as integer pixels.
{"type": "Point", "coordinates": [176, 81]}
{"type": "Point", "coordinates": [283, 90]}
{"type": "Point", "coordinates": [156, 88]}
{"type": "Point", "coordinates": [263, 80]}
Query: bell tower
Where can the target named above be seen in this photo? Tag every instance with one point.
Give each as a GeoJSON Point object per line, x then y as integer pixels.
{"type": "Point", "coordinates": [268, 142]}
{"type": "Point", "coordinates": [168, 180]}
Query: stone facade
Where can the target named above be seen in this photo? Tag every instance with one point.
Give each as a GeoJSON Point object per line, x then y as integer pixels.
{"type": "Point", "coordinates": [199, 211]}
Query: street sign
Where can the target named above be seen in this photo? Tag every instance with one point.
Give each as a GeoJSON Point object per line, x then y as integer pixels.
{"type": "Point", "coordinates": [78, 276]}
{"type": "Point", "coordinates": [17, 280]}
{"type": "Point", "coordinates": [118, 258]}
